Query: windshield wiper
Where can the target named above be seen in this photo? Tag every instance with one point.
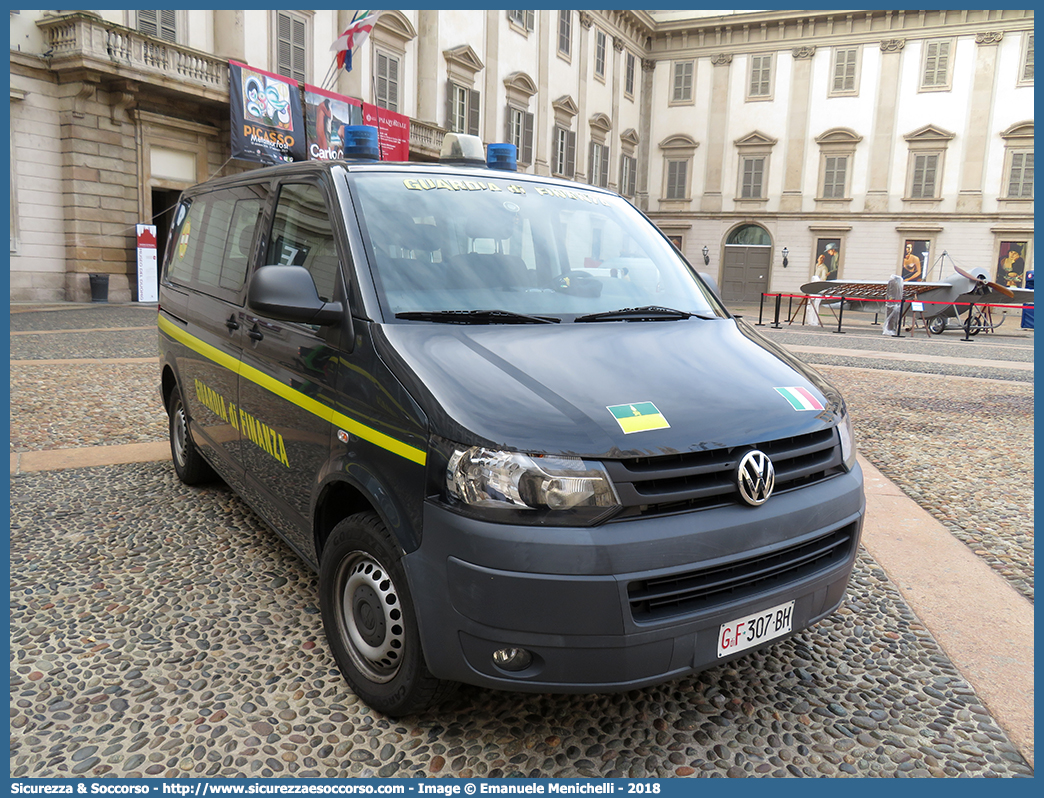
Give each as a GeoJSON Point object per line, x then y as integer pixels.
{"type": "Point", "coordinates": [645, 313]}
{"type": "Point", "coordinates": [475, 317]}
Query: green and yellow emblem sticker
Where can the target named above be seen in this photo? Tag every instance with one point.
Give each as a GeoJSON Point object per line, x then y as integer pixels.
{"type": "Point", "coordinates": [638, 417]}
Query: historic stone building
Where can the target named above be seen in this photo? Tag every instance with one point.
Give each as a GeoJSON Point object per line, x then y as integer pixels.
{"type": "Point", "coordinates": [855, 140]}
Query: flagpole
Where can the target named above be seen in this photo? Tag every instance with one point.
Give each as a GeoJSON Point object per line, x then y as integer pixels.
{"type": "Point", "coordinates": [377, 110]}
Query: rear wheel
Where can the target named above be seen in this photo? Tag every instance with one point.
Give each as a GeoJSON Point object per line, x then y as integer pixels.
{"type": "Point", "coordinates": [370, 622]}
{"type": "Point", "coordinates": [937, 324]}
{"type": "Point", "coordinates": [189, 464]}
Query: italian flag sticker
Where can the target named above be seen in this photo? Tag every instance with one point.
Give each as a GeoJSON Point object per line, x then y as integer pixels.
{"type": "Point", "coordinates": [800, 399]}
{"type": "Point", "coordinates": [638, 417]}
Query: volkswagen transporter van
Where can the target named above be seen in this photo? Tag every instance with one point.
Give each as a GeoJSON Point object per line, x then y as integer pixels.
{"type": "Point", "coordinates": [522, 442]}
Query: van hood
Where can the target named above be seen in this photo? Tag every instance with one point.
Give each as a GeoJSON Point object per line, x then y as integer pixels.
{"type": "Point", "coordinates": [574, 388]}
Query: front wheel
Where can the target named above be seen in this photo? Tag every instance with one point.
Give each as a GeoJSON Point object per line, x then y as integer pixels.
{"type": "Point", "coordinates": [370, 622]}
{"type": "Point", "coordinates": [937, 324]}
{"type": "Point", "coordinates": [189, 464]}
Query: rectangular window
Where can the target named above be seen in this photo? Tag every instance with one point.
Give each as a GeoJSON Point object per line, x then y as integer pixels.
{"type": "Point", "coordinates": [676, 180]}
{"type": "Point", "coordinates": [524, 19]}
{"type": "Point", "coordinates": [565, 32]}
{"type": "Point", "coordinates": [463, 113]}
{"type": "Point", "coordinates": [753, 177]}
{"type": "Point", "coordinates": [520, 133]}
{"type": "Point", "coordinates": [835, 172]}
{"type": "Point", "coordinates": [1020, 181]}
{"type": "Point", "coordinates": [936, 65]}
{"type": "Point", "coordinates": [387, 81]}
{"type": "Point", "coordinates": [302, 235]}
{"type": "Point", "coordinates": [599, 165]}
{"type": "Point", "coordinates": [845, 70]}
{"type": "Point", "coordinates": [628, 175]}
{"type": "Point", "coordinates": [924, 176]}
{"type": "Point", "coordinates": [291, 36]}
{"type": "Point", "coordinates": [160, 24]}
{"type": "Point", "coordinates": [761, 75]}
{"type": "Point", "coordinates": [565, 152]}
{"type": "Point", "coordinates": [682, 82]}
{"type": "Point", "coordinates": [599, 53]}
{"type": "Point", "coordinates": [629, 75]}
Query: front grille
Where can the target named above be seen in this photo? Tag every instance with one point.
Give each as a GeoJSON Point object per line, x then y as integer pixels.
{"type": "Point", "coordinates": [680, 594]}
{"type": "Point", "coordinates": [697, 480]}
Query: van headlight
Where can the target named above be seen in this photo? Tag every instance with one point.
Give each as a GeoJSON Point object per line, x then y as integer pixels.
{"type": "Point", "coordinates": [848, 450]}
{"type": "Point", "coordinates": [536, 489]}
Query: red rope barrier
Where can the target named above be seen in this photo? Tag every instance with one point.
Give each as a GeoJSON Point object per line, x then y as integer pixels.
{"type": "Point", "coordinates": [906, 299]}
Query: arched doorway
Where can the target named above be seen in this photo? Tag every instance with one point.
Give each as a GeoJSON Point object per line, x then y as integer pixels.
{"type": "Point", "coordinates": [747, 263]}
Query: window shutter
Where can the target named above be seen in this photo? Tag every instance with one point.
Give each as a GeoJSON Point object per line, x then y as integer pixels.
{"type": "Point", "coordinates": [604, 182]}
{"type": "Point", "coordinates": [450, 86]}
{"type": "Point", "coordinates": [555, 148]}
{"type": "Point", "coordinates": [1027, 69]}
{"type": "Point", "coordinates": [591, 169]}
{"type": "Point", "coordinates": [527, 137]}
{"type": "Point", "coordinates": [148, 22]}
{"type": "Point", "coordinates": [297, 47]}
{"type": "Point", "coordinates": [168, 30]}
{"type": "Point", "coordinates": [633, 171]}
{"type": "Point", "coordinates": [530, 20]}
{"type": "Point", "coordinates": [473, 112]}
{"type": "Point", "coordinates": [393, 84]}
{"type": "Point", "coordinates": [570, 153]}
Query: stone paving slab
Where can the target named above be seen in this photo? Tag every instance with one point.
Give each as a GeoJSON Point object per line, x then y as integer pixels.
{"type": "Point", "coordinates": [179, 637]}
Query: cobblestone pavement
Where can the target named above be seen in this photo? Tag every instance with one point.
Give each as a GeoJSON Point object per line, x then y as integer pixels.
{"type": "Point", "coordinates": [162, 630]}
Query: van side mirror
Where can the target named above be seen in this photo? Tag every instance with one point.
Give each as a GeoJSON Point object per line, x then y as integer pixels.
{"type": "Point", "coordinates": [287, 293]}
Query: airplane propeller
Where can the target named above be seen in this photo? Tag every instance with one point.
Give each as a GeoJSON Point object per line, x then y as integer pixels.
{"type": "Point", "coordinates": [1002, 289]}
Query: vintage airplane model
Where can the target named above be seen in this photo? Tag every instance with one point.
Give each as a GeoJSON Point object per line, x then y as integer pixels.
{"type": "Point", "coordinates": [942, 300]}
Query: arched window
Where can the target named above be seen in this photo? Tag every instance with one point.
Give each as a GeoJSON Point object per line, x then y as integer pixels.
{"type": "Point", "coordinates": [749, 235]}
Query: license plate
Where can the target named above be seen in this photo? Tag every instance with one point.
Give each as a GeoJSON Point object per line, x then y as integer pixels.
{"type": "Point", "coordinates": [754, 629]}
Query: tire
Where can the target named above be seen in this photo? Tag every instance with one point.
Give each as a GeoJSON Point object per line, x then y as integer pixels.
{"type": "Point", "coordinates": [370, 622]}
{"type": "Point", "coordinates": [937, 324]}
{"type": "Point", "coordinates": [189, 464]}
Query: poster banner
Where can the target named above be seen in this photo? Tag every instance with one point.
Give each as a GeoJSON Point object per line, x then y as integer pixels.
{"type": "Point", "coordinates": [326, 114]}
{"type": "Point", "coordinates": [1011, 264]}
{"type": "Point", "coordinates": [394, 131]}
{"type": "Point", "coordinates": [267, 123]}
{"type": "Point", "coordinates": [827, 259]}
{"type": "Point", "coordinates": [915, 260]}
{"type": "Point", "coordinates": [148, 263]}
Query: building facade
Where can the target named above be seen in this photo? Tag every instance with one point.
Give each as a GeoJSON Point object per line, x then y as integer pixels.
{"type": "Point", "coordinates": [865, 143]}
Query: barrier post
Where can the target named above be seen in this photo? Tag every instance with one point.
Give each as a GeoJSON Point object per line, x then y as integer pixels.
{"type": "Point", "coordinates": [967, 323]}
{"type": "Point", "coordinates": [779, 300]}
{"type": "Point", "coordinates": [902, 312]}
{"type": "Point", "coordinates": [761, 310]}
{"type": "Point", "coordinates": [840, 315]}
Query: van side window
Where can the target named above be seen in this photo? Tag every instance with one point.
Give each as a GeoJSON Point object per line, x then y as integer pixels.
{"type": "Point", "coordinates": [302, 235]}
{"type": "Point", "coordinates": [212, 242]}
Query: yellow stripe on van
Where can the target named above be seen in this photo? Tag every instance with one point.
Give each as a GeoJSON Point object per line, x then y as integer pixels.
{"type": "Point", "coordinates": [295, 397]}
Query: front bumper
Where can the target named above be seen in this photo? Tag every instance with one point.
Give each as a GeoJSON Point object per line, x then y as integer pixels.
{"type": "Point", "coordinates": [577, 599]}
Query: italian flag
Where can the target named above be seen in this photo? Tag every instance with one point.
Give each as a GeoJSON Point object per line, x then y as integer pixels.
{"type": "Point", "coordinates": [800, 398]}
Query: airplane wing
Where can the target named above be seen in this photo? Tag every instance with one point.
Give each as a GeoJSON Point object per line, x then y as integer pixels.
{"type": "Point", "coordinates": [866, 289]}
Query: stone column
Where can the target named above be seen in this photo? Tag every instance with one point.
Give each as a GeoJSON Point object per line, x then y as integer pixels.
{"type": "Point", "coordinates": [973, 169]}
{"type": "Point", "coordinates": [884, 134]}
{"type": "Point", "coordinates": [641, 196]}
{"type": "Point", "coordinates": [543, 132]}
{"type": "Point", "coordinates": [229, 35]}
{"type": "Point", "coordinates": [797, 128]}
{"type": "Point", "coordinates": [717, 118]}
{"type": "Point", "coordinates": [583, 130]}
{"type": "Point", "coordinates": [428, 52]}
{"type": "Point", "coordinates": [491, 132]}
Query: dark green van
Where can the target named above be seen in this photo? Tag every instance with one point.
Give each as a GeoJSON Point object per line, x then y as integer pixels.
{"type": "Point", "coordinates": [520, 439]}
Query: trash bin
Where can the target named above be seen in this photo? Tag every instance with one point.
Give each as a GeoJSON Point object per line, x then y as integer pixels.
{"type": "Point", "coordinates": [99, 288]}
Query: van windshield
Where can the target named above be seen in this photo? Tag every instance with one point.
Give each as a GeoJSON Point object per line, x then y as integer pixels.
{"type": "Point", "coordinates": [438, 244]}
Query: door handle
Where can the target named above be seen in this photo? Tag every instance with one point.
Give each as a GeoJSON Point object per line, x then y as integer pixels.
{"type": "Point", "coordinates": [232, 324]}
{"type": "Point", "coordinates": [256, 333]}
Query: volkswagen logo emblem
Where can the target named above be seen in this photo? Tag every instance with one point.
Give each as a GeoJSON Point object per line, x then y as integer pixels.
{"type": "Point", "coordinates": [755, 477]}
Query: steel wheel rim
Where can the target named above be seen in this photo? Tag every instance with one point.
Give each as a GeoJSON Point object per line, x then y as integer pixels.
{"type": "Point", "coordinates": [180, 433]}
{"type": "Point", "coordinates": [371, 619]}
